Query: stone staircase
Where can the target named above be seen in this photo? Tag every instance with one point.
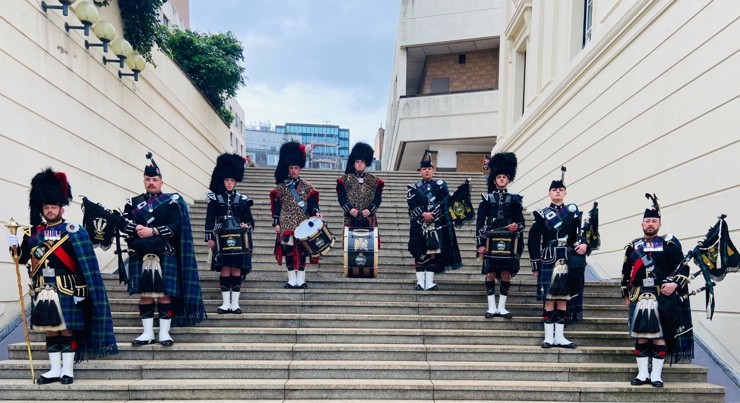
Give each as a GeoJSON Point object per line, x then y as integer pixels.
{"type": "Point", "coordinates": [363, 339]}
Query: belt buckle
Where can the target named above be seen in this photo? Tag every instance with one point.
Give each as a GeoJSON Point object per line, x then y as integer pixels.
{"type": "Point", "coordinates": [562, 241]}
{"type": "Point", "coordinates": [48, 272]}
{"type": "Point", "coordinates": [648, 282]}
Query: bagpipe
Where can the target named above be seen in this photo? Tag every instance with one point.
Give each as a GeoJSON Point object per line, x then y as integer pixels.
{"type": "Point", "coordinates": [715, 255]}
{"type": "Point", "coordinates": [102, 225]}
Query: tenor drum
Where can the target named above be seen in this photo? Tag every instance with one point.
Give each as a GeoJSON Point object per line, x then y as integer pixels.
{"type": "Point", "coordinates": [501, 244]}
{"type": "Point", "coordinates": [361, 252]}
{"type": "Point", "coordinates": [314, 236]}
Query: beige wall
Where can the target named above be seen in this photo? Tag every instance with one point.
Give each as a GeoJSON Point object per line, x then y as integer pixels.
{"type": "Point", "coordinates": [63, 108]}
{"type": "Point", "coordinates": [480, 71]}
{"type": "Point", "coordinates": [649, 105]}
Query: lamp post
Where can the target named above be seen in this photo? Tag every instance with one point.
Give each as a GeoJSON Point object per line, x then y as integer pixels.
{"type": "Point", "coordinates": [136, 63]}
{"type": "Point", "coordinates": [120, 48]}
{"type": "Point", "coordinates": [105, 31]}
{"type": "Point", "coordinates": [88, 15]}
{"type": "Point", "coordinates": [64, 7]}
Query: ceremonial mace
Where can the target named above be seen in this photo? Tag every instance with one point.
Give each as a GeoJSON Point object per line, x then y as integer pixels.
{"type": "Point", "coordinates": [13, 226]}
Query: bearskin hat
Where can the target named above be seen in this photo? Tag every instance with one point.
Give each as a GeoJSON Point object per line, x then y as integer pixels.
{"type": "Point", "coordinates": [152, 169]}
{"type": "Point", "coordinates": [47, 187]}
{"type": "Point", "coordinates": [227, 166]}
{"type": "Point", "coordinates": [557, 184]}
{"type": "Point", "coordinates": [501, 163]}
{"type": "Point", "coordinates": [291, 153]}
{"type": "Point", "coordinates": [654, 210]}
{"type": "Point", "coordinates": [360, 151]}
{"type": "Point", "coordinates": [426, 160]}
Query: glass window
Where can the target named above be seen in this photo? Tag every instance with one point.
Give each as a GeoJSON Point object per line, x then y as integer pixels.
{"type": "Point", "coordinates": [588, 11]}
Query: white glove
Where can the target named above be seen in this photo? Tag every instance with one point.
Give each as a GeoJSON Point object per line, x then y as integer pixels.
{"type": "Point", "coordinates": [78, 299]}
{"type": "Point", "coordinates": [12, 240]}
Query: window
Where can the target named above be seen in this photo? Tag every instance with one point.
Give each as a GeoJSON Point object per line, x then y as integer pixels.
{"type": "Point", "coordinates": [272, 159]}
{"type": "Point", "coordinates": [440, 85]}
{"type": "Point", "coordinates": [461, 58]}
{"type": "Point", "coordinates": [588, 11]}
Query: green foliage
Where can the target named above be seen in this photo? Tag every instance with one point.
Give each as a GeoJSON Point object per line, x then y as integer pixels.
{"type": "Point", "coordinates": [226, 116]}
{"type": "Point", "coordinates": [212, 61]}
{"type": "Point", "coordinates": [141, 25]}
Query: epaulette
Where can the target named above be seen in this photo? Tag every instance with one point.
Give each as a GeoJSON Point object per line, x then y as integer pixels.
{"type": "Point", "coordinates": [72, 227]}
{"type": "Point", "coordinates": [210, 196]}
{"type": "Point", "coordinates": [174, 197]}
{"type": "Point", "coordinates": [130, 201]}
{"type": "Point", "coordinates": [440, 182]}
{"type": "Point", "coordinates": [518, 198]}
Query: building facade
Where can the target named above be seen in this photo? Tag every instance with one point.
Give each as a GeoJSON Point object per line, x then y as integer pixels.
{"type": "Point", "coordinates": [327, 146]}
{"type": "Point", "coordinates": [633, 97]}
{"type": "Point", "coordinates": [444, 92]}
{"type": "Point", "coordinates": [263, 144]}
{"type": "Point", "coordinates": [63, 108]}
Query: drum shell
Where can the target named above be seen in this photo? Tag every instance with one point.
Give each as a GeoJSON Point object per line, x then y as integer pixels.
{"type": "Point", "coordinates": [315, 239]}
{"type": "Point", "coordinates": [503, 244]}
{"type": "Point", "coordinates": [361, 252]}
{"type": "Point", "coordinates": [232, 241]}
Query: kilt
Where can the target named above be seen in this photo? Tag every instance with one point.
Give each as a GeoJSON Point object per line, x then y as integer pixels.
{"type": "Point", "coordinates": [74, 317]}
{"type": "Point", "coordinates": [497, 265]}
{"type": "Point", "coordinates": [169, 274]}
{"type": "Point", "coordinates": [243, 261]}
{"type": "Point", "coordinates": [544, 276]}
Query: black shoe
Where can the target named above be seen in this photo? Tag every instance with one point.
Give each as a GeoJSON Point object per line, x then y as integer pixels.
{"type": "Point", "coordinates": [433, 288]}
{"type": "Point", "coordinates": [287, 285]}
{"type": "Point", "coordinates": [637, 382]}
{"type": "Point", "coordinates": [237, 311]}
{"type": "Point", "coordinates": [137, 343]}
{"type": "Point", "coordinates": [490, 315]}
{"type": "Point", "coordinates": [546, 344]}
{"type": "Point", "coordinates": [67, 380]}
{"type": "Point", "coordinates": [167, 343]}
{"type": "Point", "coordinates": [506, 315]}
{"type": "Point", "coordinates": [419, 288]}
{"type": "Point", "coordinates": [223, 311]}
{"type": "Point", "coordinates": [303, 286]}
{"type": "Point", "coordinates": [657, 384]}
{"type": "Point", "coordinates": [569, 345]}
{"type": "Point", "coordinates": [45, 381]}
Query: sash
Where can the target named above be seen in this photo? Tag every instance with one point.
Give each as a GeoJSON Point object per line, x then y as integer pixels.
{"type": "Point", "coordinates": [64, 257]}
{"type": "Point", "coordinates": [143, 210]}
{"type": "Point", "coordinates": [294, 193]}
{"type": "Point", "coordinates": [641, 259]}
{"type": "Point", "coordinates": [555, 219]}
{"type": "Point", "coordinates": [431, 199]}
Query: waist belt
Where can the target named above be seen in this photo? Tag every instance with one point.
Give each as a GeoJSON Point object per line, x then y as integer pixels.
{"type": "Point", "coordinates": [64, 282]}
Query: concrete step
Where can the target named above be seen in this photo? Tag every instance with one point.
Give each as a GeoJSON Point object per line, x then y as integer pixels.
{"type": "Point", "coordinates": [327, 369]}
{"type": "Point", "coordinates": [351, 389]}
{"type": "Point", "coordinates": [352, 352]}
{"type": "Point", "coordinates": [381, 308]}
{"type": "Point", "coordinates": [375, 321]}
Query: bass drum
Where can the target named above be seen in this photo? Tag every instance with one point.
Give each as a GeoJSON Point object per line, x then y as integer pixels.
{"type": "Point", "coordinates": [361, 252]}
{"type": "Point", "coordinates": [314, 236]}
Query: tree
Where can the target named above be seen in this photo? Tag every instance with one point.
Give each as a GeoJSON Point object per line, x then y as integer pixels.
{"type": "Point", "coordinates": [213, 63]}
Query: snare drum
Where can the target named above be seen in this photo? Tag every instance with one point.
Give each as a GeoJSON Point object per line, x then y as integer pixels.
{"type": "Point", "coordinates": [314, 236]}
{"type": "Point", "coordinates": [232, 241]}
{"type": "Point", "coordinates": [361, 252]}
{"type": "Point", "coordinates": [501, 244]}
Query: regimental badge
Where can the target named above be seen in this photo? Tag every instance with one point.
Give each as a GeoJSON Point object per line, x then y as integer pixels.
{"type": "Point", "coordinates": [360, 260]}
{"type": "Point", "coordinates": [360, 244]}
{"type": "Point", "coordinates": [100, 224]}
{"type": "Point", "coordinates": [231, 242]}
{"type": "Point", "coordinates": [40, 252]}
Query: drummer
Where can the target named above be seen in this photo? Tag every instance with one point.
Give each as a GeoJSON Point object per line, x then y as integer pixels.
{"type": "Point", "coordinates": [292, 200]}
{"type": "Point", "coordinates": [359, 192]}
{"type": "Point", "coordinates": [500, 227]}
{"type": "Point", "coordinates": [229, 211]}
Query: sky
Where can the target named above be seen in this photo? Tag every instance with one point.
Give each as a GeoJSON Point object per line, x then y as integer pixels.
{"type": "Point", "coordinates": [310, 61]}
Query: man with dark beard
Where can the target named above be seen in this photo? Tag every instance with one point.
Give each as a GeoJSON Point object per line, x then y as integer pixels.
{"type": "Point", "coordinates": [647, 282]}
{"type": "Point", "coordinates": [70, 303]}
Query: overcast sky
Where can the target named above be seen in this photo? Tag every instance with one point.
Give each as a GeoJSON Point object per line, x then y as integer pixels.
{"type": "Point", "coordinates": [310, 61]}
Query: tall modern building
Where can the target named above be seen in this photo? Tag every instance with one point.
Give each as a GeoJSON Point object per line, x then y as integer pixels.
{"type": "Point", "coordinates": [633, 96]}
{"type": "Point", "coordinates": [444, 93]}
{"type": "Point", "coordinates": [327, 145]}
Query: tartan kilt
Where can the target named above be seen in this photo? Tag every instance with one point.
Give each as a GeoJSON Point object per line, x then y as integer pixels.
{"type": "Point", "coordinates": [74, 316]}
{"type": "Point", "coordinates": [544, 276]}
{"type": "Point", "coordinates": [169, 274]}
{"type": "Point", "coordinates": [243, 262]}
{"type": "Point", "coordinates": [497, 265]}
